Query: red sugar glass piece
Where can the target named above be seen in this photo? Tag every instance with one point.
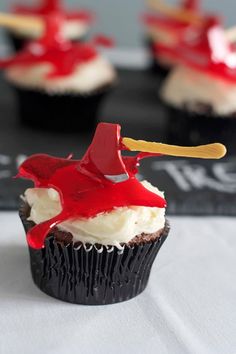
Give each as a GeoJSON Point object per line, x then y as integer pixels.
{"type": "Point", "coordinates": [63, 55]}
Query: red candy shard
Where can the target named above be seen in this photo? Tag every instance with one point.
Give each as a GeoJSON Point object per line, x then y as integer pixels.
{"type": "Point", "coordinates": [103, 41]}
{"type": "Point", "coordinates": [62, 55]}
{"type": "Point", "coordinates": [40, 168]}
{"type": "Point", "coordinates": [205, 49]}
{"type": "Point", "coordinates": [89, 186]}
{"type": "Point", "coordinates": [107, 136]}
{"type": "Point", "coordinates": [171, 23]}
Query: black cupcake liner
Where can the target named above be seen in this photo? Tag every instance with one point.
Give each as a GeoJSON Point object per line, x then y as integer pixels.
{"type": "Point", "coordinates": [92, 274]}
{"type": "Point", "coordinates": [184, 127]}
{"type": "Point", "coordinates": [59, 112]}
{"type": "Point", "coordinates": [155, 66]}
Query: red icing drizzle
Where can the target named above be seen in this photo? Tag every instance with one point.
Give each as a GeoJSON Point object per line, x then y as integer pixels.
{"type": "Point", "coordinates": [46, 7]}
{"type": "Point", "coordinates": [84, 186]}
{"type": "Point", "coordinates": [63, 55]}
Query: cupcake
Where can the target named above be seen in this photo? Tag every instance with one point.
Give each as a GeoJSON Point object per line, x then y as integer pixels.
{"type": "Point", "coordinates": [200, 94]}
{"type": "Point", "coordinates": [59, 84]}
{"type": "Point", "coordinates": [163, 32]}
{"type": "Point", "coordinates": [74, 28]}
{"type": "Point", "coordinates": [93, 229]}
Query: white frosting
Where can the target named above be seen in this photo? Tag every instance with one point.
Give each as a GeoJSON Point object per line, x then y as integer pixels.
{"type": "Point", "coordinates": [118, 226]}
{"type": "Point", "coordinates": [186, 85]}
{"type": "Point", "coordinates": [87, 77]}
{"type": "Point", "coordinates": [72, 29]}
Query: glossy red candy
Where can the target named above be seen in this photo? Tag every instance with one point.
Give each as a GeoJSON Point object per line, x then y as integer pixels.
{"type": "Point", "coordinates": [101, 181]}
{"type": "Point", "coordinates": [63, 55]}
{"type": "Point", "coordinates": [209, 51]}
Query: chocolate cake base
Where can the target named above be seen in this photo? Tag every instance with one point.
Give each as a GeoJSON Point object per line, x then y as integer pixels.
{"type": "Point", "coordinates": [59, 112]}
{"type": "Point", "coordinates": [184, 127]}
{"type": "Point", "coordinates": [91, 274]}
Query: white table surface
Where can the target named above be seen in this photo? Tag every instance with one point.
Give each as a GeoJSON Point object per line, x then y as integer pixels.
{"type": "Point", "coordinates": [188, 307]}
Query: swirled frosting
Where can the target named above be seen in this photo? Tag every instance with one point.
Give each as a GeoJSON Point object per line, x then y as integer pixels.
{"type": "Point", "coordinates": [88, 76]}
{"type": "Point", "coordinates": [118, 226]}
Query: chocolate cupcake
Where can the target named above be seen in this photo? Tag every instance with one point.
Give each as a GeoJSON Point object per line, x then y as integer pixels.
{"type": "Point", "coordinates": [59, 84]}
{"type": "Point", "coordinates": [164, 32]}
{"type": "Point", "coordinates": [200, 94]}
{"type": "Point", "coordinates": [93, 229]}
{"type": "Point", "coordinates": [75, 27]}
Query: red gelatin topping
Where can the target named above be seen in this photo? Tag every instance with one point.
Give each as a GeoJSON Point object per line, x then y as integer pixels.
{"type": "Point", "coordinates": [63, 55]}
{"type": "Point", "coordinates": [170, 23]}
{"type": "Point", "coordinates": [101, 181]}
{"type": "Point", "coordinates": [208, 52]}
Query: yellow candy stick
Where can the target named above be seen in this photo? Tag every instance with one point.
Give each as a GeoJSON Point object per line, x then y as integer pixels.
{"type": "Point", "coordinates": [174, 12]}
{"type": "Point", "coordinates": [13, 21]}
{"type": "Point", "coordinates": [210, 151]}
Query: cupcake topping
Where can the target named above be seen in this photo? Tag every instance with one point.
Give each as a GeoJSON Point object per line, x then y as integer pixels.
{"type": "Point", "coordinates": [192, 5]}
{"type": "Point", "coordinates": [169, 23]}
{"type": "Point", "coordinates": [47, 7]}
{"type": "Point", "coordinates": [210, 52]}
{"type": "Point", "coordinates": [103, 180]}
{"type": "Point", "coordinates": [62, 55]}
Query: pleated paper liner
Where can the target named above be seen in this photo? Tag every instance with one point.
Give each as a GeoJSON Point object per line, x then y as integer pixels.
{"type": "Point", "coordinates": [184, 127]}
{"type": "Point", "coordinates": [91, 274]}
{"type": "Point", "coordinates": [59, 112]}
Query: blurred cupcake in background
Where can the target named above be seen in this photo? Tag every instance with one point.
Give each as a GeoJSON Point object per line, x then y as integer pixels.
{"type": "Point", "coordinates": [75, 27]}
{"type": "Point", "coordinates": [114, 225]}
{"type": "Point", "coordinates": [200, 93]}
{"type": "Point", "coordinates": [60, 84]}
{"type": "Point", "coordinates": [166, 26]}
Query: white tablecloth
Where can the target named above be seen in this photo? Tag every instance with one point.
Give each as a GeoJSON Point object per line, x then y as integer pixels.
{"type": "Point", "coordinates": [189, 306]}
